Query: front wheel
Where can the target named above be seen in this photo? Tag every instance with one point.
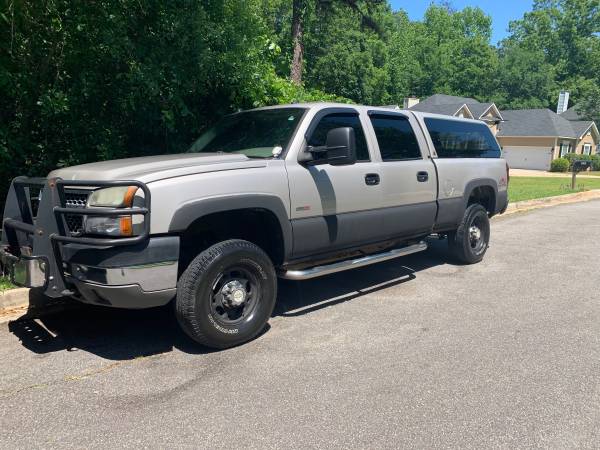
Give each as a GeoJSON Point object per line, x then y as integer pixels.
{"type": "Point", "coordinates": [470, 241]}
{"type": "Point", "coordinates": [227, 294]}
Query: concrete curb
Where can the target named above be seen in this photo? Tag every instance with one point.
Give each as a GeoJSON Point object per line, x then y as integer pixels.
{"type": "Point", "coordinates": [546, 202]}
{"type": "Point", "coordinates": [24, 303]}
{"type": "Point", "coordinates": [13, 298]}
{"type": "Point", "coordinates": [29, 303]}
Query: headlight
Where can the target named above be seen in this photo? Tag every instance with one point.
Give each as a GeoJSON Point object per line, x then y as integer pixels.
{"type": "Point", "coordinates": [110, 226]}
{"type": "Point", "coordinates": [114, 197]}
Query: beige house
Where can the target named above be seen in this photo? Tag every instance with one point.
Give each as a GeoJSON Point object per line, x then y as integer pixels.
{"type": "Point", "coordinates": [530, 138]}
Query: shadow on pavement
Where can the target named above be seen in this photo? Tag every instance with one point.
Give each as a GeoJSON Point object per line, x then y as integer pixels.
{"type": "Point", "coordinates": [118, 334]}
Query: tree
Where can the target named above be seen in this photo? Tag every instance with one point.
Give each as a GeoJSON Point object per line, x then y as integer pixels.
{"type": "Point", "coordinates": [524, 79]}
{"type": "Point", "coordinates": [454, 52]}
{"type": "Point", "coordinates": [566, 34]}
{"type": "Point", "coordinates": [83, 81]}
{"type": "Point", "coordinates": [345, 55]}
{"type": "Point", "coordinates": [566, 31]}
{"type": "Point", "coordinates": [298, 12]}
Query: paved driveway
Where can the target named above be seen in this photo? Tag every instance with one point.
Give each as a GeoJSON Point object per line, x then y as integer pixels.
{"type": "Point", "coordinates": [415, 352]}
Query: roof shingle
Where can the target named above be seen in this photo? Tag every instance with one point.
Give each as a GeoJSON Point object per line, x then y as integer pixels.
{"type": "Point", "coordinates": [446, 109]}
{"type": "Point", "coordinates": [443, 99]}
{"type": "Point", "coordinates": [535, 122]}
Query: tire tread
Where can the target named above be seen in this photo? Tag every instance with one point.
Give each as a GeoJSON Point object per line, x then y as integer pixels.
{"type": "Point", "coordinates": [456, 239]}
{"type": "Point", "coordinates": [185, 302]}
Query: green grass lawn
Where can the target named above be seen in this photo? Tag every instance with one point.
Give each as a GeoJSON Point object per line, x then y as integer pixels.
{"type": "Point", "coordinates": [5, 284]}
{"type": "Point", "coordinates": [527, 188]}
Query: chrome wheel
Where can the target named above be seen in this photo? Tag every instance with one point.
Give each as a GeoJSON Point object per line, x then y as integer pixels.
{"type": "Point", "coordinates": [477, 236]}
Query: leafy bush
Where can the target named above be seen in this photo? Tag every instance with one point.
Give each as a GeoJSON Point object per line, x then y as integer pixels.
{"type": "Point", "coordinates": [576, 157]}
{"type": "Point", "coordinates": [560, 165]}
{"type": "Point", "coordinates": [596, 162]}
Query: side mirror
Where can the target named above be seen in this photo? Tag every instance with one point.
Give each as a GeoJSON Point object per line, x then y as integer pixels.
{"type": "Point", "coordinates": [340, 149]}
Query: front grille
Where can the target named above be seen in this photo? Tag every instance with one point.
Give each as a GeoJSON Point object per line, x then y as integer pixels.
{"type": "Point", "coordinates": [75, 199]}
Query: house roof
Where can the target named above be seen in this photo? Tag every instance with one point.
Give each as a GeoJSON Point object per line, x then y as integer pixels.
{"type": "Point", "coordinates": [581, 126]}
{"type": "Point", "coordinates": [572, 114]}
{"type": "Point", "coordinates": [535, 122]}
{"type": "Point", "coordinates": [479, 108]}
{"type": "Point", "coordinates": [443, 99]}
{"type": "Point", "coordinates": [449, 105]}
{"type": "Point", "coordinates": [447, 109]}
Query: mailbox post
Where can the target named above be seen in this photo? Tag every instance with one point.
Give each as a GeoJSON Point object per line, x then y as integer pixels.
{"type": "Point", "coordinates": [578, 166]}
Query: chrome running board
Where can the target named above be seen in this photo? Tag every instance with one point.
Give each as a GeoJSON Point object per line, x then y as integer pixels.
{"type": "Point", "coordinates": [318, 271]}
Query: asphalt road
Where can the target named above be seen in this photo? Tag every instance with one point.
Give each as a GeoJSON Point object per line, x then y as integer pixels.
{"type": "Point", "coordinates": [410, 353]}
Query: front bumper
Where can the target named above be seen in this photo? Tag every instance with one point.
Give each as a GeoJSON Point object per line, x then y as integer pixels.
{"type": "Point", "coordinates": [39, 251]}
{"type": "Point", "coordinates": [142, 276]}
{"type": "Point", "coordinates": [147, 280]}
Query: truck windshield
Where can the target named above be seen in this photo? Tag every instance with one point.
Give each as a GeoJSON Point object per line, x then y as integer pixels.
{"type": "Point", "coordinates": [256, 134]}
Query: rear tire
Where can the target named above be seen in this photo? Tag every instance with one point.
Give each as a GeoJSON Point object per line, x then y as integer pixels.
{"type": "Point", "coordinates": [226, 295]}
{"type": "Point", "coordinates": [470, 241]}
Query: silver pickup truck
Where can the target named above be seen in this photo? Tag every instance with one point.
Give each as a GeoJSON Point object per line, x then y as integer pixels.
{"type": "Point", "coordinates": [295, 191]}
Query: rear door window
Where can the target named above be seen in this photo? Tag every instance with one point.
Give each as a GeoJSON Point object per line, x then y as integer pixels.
{"type": "Point", "coordinates": [456, 139]}
{"type": "Point", "coordinates": [396, 138]}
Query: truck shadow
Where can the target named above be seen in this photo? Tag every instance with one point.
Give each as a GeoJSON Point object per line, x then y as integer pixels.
{"type": "Point", "coordinates": [116, 334]}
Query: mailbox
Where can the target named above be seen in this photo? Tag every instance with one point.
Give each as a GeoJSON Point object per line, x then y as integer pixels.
{"type": "Point", "coordinates": [579, 165]}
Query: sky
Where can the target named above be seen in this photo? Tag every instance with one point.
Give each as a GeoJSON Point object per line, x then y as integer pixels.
{"type": "Point", "coordinates": [502, 12]}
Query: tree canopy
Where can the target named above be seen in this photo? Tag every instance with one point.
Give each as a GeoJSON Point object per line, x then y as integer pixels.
{"type": "Point", "coordinates": [87, 80]}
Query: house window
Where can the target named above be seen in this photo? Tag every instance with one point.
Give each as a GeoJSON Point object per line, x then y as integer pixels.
{"type": "Point", "coordinates": [587, 149]}
{"type": "Point", "coordinates": [565, 147]}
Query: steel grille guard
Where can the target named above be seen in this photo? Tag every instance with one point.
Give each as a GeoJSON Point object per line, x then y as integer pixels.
{"type": "Point", "coordinates": [42, 236]}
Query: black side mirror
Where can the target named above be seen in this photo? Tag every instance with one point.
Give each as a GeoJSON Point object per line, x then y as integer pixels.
{"type": "Point", "coordinates": [340, 149]}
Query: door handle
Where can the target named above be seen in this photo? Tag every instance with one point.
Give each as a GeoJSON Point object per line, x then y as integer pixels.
{"type": "Point", "coordinates": [422, 177]}
{"type": "Point", "coordinates": [371, 179]}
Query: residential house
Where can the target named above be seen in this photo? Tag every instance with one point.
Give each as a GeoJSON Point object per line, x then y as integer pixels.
{"type": "Point", "coordinates": [530, 138]}
{"type": "Point", "coordinates": [450, 105]}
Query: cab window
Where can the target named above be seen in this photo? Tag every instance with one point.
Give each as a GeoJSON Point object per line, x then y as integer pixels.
{"type": "Point", "coordinates": [457, 139]}
{"type": "Point", "coordinates": [338, 120]}
{"type": "Point", "coordinates": [396, 138]}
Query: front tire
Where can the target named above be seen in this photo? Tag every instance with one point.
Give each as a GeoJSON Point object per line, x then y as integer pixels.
{"type": "Point", "coordinates": [226, 295]}
{"type": "Point", "coordinates": [469, 243]}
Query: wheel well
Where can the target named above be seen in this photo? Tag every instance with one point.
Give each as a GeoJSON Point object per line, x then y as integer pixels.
{"type": "Point", "coordinates": [485, 196]}
{"type": "Point", "coordinates": [259, 226]}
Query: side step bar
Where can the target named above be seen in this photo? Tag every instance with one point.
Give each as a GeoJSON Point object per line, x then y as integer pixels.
{"type": "Point", "coordinates": [318, 271]}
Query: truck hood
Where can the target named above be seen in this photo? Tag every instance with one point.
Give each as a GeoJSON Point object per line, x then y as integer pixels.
{"type": "Point", "coordinates": [153, 168]}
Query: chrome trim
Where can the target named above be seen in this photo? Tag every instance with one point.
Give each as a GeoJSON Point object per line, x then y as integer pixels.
{"type": "Point", "coordinates": [318, 271]}
{"type": "Point", "coordinates": [150, 277]}
{"type": "Point", "coordinates": [29, 272]}
{"type": "Point", "coordinates": [26, 271]}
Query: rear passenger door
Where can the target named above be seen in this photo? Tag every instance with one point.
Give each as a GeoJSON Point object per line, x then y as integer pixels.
{"type": "Point", "coordinates": [408, 176]}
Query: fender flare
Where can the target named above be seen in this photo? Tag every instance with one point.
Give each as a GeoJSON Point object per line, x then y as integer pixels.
{"type": "Point", "coordinates": [196, 209]}
{"type": "Point", "coordinates": [480, 182]}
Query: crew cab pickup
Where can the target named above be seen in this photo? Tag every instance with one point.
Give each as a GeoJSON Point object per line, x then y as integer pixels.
{"type": "Point", "coordinates": [294, 191]}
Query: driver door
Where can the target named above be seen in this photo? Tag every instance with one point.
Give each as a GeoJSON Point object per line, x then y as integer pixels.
{"type": "Point", "coordinates": [334, 207]}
